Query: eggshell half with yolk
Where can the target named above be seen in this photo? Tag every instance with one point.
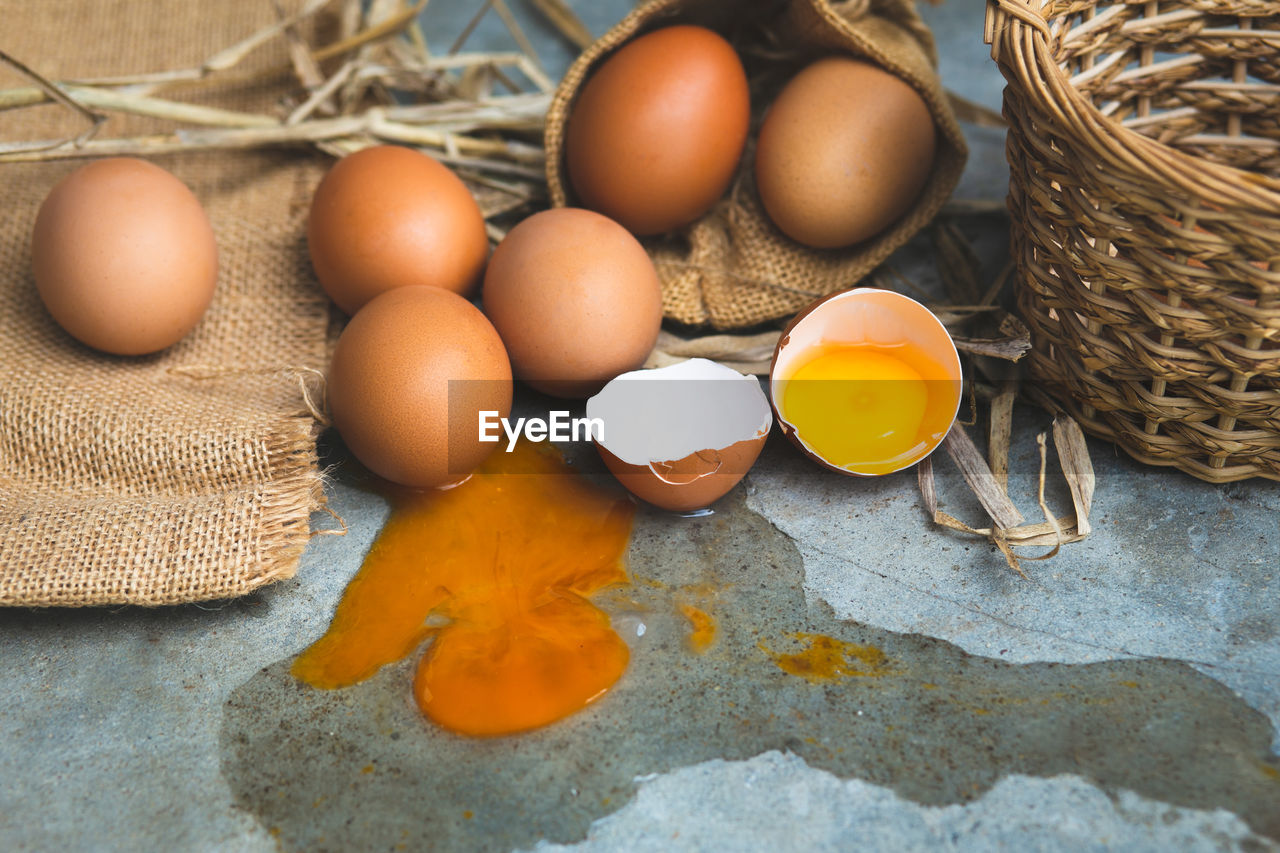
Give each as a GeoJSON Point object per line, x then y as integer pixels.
{"type": "Point", "coordinates": [866, 382]}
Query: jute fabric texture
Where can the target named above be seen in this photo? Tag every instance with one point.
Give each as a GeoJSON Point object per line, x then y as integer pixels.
{"type": "Point", "coordinates": [190, 474]}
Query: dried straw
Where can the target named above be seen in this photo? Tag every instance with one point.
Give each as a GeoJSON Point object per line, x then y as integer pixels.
{"type": "Point", "coordinates": [457, 114]}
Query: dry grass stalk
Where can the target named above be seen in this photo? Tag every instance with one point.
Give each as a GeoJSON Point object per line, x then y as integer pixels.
{"type": "Point", "coordinates": [457, 116]}
{"type": "Point", "coordinates": [984, 484]}
{"type": "Point", "coordinates": [1008, 530]}
{"type": "Point", "coordinates": [744, 353]}
{"type": "Point", "coordinates": [565, 21]}
{"type": "Point", "coordinates": [1000, 432]}
{"type": "Point", "coordinates": [975, 113]}
{"type": "Point", "coordinates": [1077, 469]}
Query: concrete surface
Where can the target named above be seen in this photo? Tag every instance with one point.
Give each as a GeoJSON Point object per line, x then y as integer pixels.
{"type": "Point", "coordinates": [1127, 697]}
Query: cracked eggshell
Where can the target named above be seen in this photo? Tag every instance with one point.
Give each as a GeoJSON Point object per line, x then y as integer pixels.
{"type": "Point", "coordinates": [680, 437]}
{"type": "Point", "coordinates": [863, 316]}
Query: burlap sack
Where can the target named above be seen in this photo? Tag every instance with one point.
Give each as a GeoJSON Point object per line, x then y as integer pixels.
{"type": "Point", "coordinates": [190, 474]}
{"type": "Point", "coordinates": [732, 268]}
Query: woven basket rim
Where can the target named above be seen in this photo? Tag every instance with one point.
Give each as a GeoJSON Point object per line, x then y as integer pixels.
{"type": "Point", "coordinates": [1014, 21]}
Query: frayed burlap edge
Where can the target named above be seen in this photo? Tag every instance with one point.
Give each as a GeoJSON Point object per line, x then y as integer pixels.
{"type": "Point", "coordinates": [41, 571]}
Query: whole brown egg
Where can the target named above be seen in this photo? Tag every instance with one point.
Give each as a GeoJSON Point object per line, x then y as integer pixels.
{"type": "Point", "coordinates": [575, 298]}
{"type": "Point", "coordinates": [124, 257]}
{"type": "Point", "coordinates": [389, 216]}
{"type": "Point", "coordinates": [844, 151]}
{"type": "Point", "coordinates": [410, 375]}
{"type": "Point", "coordinates": [655, 135]}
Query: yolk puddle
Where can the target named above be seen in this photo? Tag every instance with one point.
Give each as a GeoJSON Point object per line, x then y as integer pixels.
{"type": "Point", "coordinates": [497, 572]}
{"type": "Point", "coordinates": [868, 408]}
{"type": "Point", "coordinates": [826, 659]}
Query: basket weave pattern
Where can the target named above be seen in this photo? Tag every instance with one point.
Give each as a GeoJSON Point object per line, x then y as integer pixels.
{"type": "Point", "coordinates": [1144, 151]}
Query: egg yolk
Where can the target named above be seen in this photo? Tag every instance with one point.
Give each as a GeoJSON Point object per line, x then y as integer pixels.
{"type": "Point", "coordinates": [869, 409]}
{"type": "Point", "coordinates": [825, 658]}
{"type": "Point", "coordinates": [497, 573]}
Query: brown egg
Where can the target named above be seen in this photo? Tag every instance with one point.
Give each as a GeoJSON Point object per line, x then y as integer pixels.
{"type": "Point", "coordinates": [681, 436]}
{"type": "Point", "coordinates": [389, 217]}
{"type": "Point", "coordinates": [844, 151]}
{"type": "Point", "coordinates": [575, 298]}
{"type": "Point", "coordinates": [410, 375]}
{"type": "Point", "coordinates": [124, 257]}
{"type": "Point", "coordinates": [657, 131]}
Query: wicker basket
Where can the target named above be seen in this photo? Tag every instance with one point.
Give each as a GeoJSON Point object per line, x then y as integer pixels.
{"type": "Point", "coordinates": [1144, 149]}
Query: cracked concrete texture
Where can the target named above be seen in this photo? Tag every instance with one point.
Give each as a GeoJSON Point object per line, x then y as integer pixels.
{"type": "Point", "coordinates": [1175, 568]}
{"type": "Point", "coordinates": [109, 717]}
{"type": "Point", "coordinates": [775, 801]}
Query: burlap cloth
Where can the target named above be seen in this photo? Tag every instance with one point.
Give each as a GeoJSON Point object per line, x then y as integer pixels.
{"type": "Point", "coordinates": [190, 474]}
{"type": "Point", "coordinates": [733, 268]}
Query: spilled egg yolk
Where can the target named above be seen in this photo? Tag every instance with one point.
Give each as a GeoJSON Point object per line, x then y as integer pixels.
{"type": "Point", "coordinates": [825, 658]}
{"type": "Point", "coordinates": [497, 572]}
{"type": "Point", "coordinates": [702, 628]}
{"type": "Point", "coordinates": [869, 409]}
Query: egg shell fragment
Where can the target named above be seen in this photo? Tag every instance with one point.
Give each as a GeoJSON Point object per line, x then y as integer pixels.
{"type": "Point", "coordinates": [856, 317]}
{"type": "Point", "coordinates": [844, 151]}
{"type": "Point", "coordinates": [656, 133]}
{"type": "Point", "coordinates": [410, 374]}
{"type": "Point", "coordinates": [680, 437]}
{"type": "Point", "coordinates": [390, 216]}
{"type": "Point", "coordinates": [576, 300]}
{"type": "Point", "coordinates": [124, 257]}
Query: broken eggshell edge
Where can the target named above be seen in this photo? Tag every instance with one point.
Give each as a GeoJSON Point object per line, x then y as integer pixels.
{"type": "Point", "coordinates": [699, 478]}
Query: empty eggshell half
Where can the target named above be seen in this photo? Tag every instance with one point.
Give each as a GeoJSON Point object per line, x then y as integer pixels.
{"type": "Point", "coordinates": [680, 437]}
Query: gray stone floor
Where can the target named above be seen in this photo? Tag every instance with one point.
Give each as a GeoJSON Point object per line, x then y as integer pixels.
{"type": "Point", "coordinates": [1126, 697]}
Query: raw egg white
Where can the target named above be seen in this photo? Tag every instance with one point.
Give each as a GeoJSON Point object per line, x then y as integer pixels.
{"type": "Point", "coordinates": [124, 257]}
